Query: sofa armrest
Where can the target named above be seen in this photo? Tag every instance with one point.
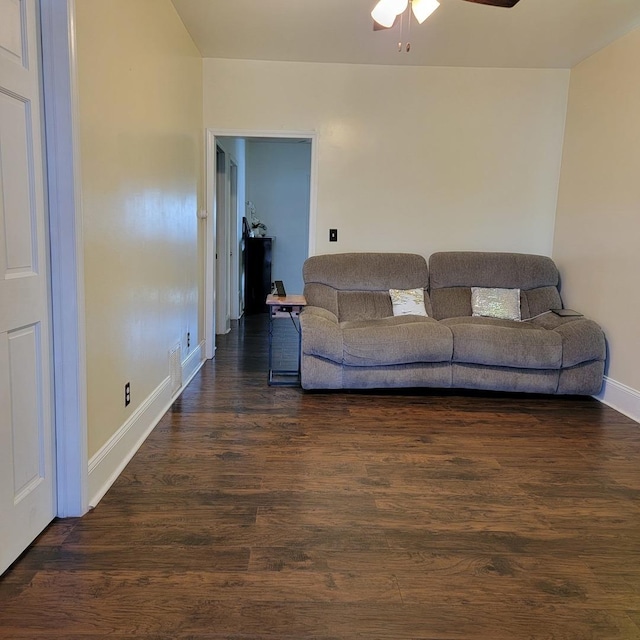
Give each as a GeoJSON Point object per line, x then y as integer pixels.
{"type": "Point", "coordinates": [320, 312]}
{"type": "Point", "coordinates": [321, 334]}
{"type": "Point", "coordinates": [582, 340]}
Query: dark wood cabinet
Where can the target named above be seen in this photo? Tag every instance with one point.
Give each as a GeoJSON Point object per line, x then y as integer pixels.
{"type": "Point", "coordinates": [257, 274]}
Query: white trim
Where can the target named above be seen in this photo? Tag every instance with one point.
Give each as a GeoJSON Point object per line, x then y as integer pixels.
{"type": "Point", "coordinates": [210, 248]}
{"type": "Point", "coordinates": [259, 133]}
{"type": "Point", "coordinates": [192, 364]}
{"type": "Point", "coordinates": [109, 462]}
{"type": "Point", "coordinates": [59, 68]}
{"type": "Point", "coordinates": [223, 263]}
{"type": "Point", "coordinates": [620, 397]}
{"type": "Point", "coordinates": [313, 195]}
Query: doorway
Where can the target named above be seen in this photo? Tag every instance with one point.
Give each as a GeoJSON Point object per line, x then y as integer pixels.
{"type": "Point", "coordinates": [278, 187]}
{"type": "Point", "coordinates": [228, 191]}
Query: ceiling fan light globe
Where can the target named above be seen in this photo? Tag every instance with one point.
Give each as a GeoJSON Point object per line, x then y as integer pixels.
{"type": "Point", "coordinates": [422, 9]}
{"type": "Point", "coordinates": [385, 12]}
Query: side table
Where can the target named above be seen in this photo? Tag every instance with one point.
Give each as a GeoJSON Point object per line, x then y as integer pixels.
{"type": "Point", "coordinates": [288, 307]}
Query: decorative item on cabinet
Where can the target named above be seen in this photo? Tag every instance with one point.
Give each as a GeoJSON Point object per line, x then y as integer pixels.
{"type": "Point", "coordinates": [258, 228]}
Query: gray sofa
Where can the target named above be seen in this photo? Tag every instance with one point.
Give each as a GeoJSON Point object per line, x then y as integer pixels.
{"type": "Point", "coordinates": [351, 339]}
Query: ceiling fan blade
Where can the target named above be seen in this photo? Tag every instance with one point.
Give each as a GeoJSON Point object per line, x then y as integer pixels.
{"type": "Point", "coordinates": [497, 3]}
{"type": "Point", "coordinates": [379, 27]}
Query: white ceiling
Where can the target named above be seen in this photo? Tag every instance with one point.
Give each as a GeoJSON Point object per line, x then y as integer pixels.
{"type": "Point", "coordinates": [533, 34]}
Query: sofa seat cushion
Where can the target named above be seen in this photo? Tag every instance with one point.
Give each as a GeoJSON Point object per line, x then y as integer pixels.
{"type": "Point", "coordinates": [395, 340]}
{"type": "Point", "coordinates": [504, 343]}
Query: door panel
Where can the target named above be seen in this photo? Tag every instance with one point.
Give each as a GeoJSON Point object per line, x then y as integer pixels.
{"type": "Point", "coordinates": [15, 176]}
{"type": "Point", "coordinates": [27, 498]}
{"type": "Point", "coordinates": [11, 33]}
{"type": "Point", "coordinates": [25, 363]}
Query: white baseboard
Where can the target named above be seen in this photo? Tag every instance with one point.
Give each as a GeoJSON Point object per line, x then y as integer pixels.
{"type": "Point", "coordinates": [192, 364]}
{"type": "Point", "coordinates": [107, 464]}
{"type": "Point", "coordinates": [621, 398]}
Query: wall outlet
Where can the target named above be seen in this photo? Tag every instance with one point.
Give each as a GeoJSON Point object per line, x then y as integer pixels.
{"type": "Point", "coordinates": [127, 394]}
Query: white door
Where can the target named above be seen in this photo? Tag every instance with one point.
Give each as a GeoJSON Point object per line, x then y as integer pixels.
{"type": "Point", "coordinates": [27, 498]}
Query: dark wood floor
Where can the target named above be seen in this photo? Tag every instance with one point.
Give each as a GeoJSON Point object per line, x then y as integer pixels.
{"type": "Point", "coordinates": [255, 512]}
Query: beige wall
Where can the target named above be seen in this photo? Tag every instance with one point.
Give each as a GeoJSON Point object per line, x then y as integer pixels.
{"type": "Point", "coordinates": [411, 159]}
{"type": "Point", "coordinates": [598, 220]}
{"type": "Point", "coordinates": [140, 93]}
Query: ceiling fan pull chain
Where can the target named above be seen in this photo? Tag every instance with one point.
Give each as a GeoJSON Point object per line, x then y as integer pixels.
{"type": "Point", "coordinates": [409, 14]}
{"type": "Point", "coordinates": [401, 25]}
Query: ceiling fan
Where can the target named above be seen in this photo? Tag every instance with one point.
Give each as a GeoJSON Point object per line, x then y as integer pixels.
{"type": "Point", "coordinates": [386, 12]}
{"type": "Point", "coordinates": [497, 3]}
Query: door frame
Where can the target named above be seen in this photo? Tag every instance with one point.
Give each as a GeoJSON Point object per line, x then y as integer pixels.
{"type": "Point", "coordinates": [210, 274]}
{"type": "Point", "coordinates": [61, 115]}
{"type": "Point", "coordinates": [210, 244]}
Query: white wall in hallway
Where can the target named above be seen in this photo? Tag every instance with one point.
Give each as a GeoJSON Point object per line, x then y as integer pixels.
{"type": "Point", "coordinates": [141, 147]}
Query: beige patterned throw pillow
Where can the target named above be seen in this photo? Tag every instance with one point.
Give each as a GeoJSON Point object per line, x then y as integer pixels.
{"type": "Point", "coordinates": [408, 302]}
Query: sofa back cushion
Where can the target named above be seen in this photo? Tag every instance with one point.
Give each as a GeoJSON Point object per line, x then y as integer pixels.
{"type": "Point", "coordinates": [355, 286]}
{"type": "Point", "coordinates": [453, 273]}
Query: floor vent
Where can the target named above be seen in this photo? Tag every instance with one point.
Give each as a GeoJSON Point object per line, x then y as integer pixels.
{"type": "Point", "coordinates": [175, 369]}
